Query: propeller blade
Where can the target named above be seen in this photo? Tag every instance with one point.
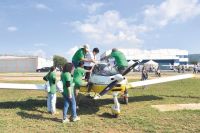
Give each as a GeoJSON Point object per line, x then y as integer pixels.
{"type": "Point", "coordinates": [114, 83]}
{"type": "Point", "coordinates": [130, 68]}
{"type": "Point", "coordinates": [108, 87]}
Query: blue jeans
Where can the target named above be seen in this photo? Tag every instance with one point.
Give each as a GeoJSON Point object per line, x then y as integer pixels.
{"type": "Point", "coordinates": [67, 103]}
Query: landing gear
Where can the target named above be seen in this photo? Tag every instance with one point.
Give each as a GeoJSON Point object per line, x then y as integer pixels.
{"type": "Point", "coordinates": [125, 100]}
{"type": "Point", "coordinates": [116, 107]}
{"type": "Point", "coordinates": [125, 97]}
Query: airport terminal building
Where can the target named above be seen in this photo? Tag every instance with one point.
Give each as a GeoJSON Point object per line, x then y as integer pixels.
{"type": "Point", "coordinates": [166, 58]}
{"type": "Point", "coordinates": [23, 63]}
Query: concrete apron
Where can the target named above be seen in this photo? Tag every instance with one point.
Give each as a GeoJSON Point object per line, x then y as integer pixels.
{"type": "Point", "coordinates": [175, 107]}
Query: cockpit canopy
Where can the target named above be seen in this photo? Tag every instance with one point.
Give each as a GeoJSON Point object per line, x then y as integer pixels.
{"type": "Point", "coordinates": [104, 69]}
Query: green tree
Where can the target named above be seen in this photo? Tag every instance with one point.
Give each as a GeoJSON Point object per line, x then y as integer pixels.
{"type": "Point", "coordinates": [194, 62]}
{"type": "Point", "coordinates": [59, 61]}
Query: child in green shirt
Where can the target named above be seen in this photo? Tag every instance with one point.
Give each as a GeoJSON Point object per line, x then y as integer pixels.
{"type": "Point", "coordinates": [51, 100]}
{"type": "Point", "coordinates": [68, 93]}
{"type": "Point", "coordinates": [78, 75]}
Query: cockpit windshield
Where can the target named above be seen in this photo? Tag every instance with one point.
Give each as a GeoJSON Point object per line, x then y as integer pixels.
{"type": "Point", "coordinates": [104, 70]}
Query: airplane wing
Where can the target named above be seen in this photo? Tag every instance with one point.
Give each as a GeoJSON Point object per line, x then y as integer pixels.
{"type": "Point", "coordinates": [22, 86]}
{"type": "Point", "coordinates": [160, 80]}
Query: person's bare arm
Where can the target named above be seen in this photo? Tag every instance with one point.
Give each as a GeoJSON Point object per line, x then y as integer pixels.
{"type": "Point", "coordinates": [88, 60]}
{"type": "Point", "coordinates": [69, 89]}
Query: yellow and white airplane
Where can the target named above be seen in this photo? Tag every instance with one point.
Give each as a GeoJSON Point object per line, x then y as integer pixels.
{"type": "Point", "coordinates": [105, 80]}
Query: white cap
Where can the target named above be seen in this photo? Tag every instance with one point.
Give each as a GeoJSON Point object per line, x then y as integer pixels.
{"type": "Point", "coordinates": [87, 47]}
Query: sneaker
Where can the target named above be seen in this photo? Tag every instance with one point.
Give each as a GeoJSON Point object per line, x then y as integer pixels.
{"type": "Point", "coordinates": [77, 107]}
{"type": "Point", "coordinates": [76, 119]}
{"type": "Point", "coordinates": [65, 120]}
{"type": "Point", "coordinates": [89, 96]}
{"type": "Point", "coordinates": [54, 113]}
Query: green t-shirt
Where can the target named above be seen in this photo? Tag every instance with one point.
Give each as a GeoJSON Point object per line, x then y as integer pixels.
{"type": "Point", "coordinates": [78, 75]}
{"type": "Point", "coordinates": [51, 77]}
{"type": "Point", "coordinates": [64, 78]}
{"type": "Point", "coordinates": [120, 59]}
{"type": "Point", "coordinates": [78, 55]}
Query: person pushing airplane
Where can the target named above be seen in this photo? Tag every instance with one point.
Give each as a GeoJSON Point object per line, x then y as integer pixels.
{"type": "Point", "coordinates": [120, 60]}
{"type": "Point", "coordinates": [80, 56]}
{"type": "Point", "coordinates": [120, 63]}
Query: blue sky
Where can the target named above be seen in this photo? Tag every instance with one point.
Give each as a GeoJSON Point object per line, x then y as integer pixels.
{"type": "Point", "coordinates": [48, 27]}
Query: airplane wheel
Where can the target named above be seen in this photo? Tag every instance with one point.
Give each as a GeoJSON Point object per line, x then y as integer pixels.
{"type": "Point", "coordinates": [125, 100]}
{"type": "Point", "coordinates": [126, 97]}
{"type": "Point", "coordinates": [116, 115]}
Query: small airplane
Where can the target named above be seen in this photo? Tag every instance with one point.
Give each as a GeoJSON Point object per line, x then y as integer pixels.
{"type": "Point", "coordinates": [105, 79]}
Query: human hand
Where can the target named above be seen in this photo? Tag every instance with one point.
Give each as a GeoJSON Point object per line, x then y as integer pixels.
{"type": "Point", "coordinates": [92, 60]}
{"type": "Point", "coordinates": [70, 96]}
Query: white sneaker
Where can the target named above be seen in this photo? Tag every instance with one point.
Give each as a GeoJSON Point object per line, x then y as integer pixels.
{"type": "Point", "coordinates": [97, 97]}
{"type": "Point", "coordinates": [55, 113]}
{"type": "Point", "coordinates": [65, 120]}
{"type": "Point", "coordinates": [76, 119]}
{"type": "Point", "coordinates": [89, 96]}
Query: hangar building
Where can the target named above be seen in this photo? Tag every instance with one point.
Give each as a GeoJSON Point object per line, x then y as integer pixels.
{"type": "Point", "coordinates": [23, 63]}
{"type": "Point", "coordinates": [164, 57]}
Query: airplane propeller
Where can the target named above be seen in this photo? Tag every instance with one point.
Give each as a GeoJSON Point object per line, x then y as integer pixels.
{"type": "Point", "coordinates": [114, 83]}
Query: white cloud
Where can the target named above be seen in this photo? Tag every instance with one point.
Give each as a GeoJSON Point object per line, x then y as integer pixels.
{"type": "Point", "coordinates": [92, 8]}
{"type": "Point", "coordinates": [40, 44]}
{"type": "Point", "coordinates": [110, 28]}
{"type": "Point", "coordinates": [171, 11]}
{"type": "Point", "coordinates": [71, 52]}
{"type": "Point", "coordinates": [40, 53]}
{"type": "Point", "coordinates": [12, 28]}
{"type": "Point", "coordinates": [41, 6]}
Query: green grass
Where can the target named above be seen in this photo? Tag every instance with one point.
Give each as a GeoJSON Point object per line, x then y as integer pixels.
{"type": "Point", "coordinates": [25, 111]}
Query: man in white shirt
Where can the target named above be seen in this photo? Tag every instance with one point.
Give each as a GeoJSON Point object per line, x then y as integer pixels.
{"type": "Point", "coordinates": [89, 65]}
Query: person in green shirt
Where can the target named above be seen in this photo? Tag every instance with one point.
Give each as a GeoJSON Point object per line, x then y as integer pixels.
{"type": "Point", "coordinates": [120, 60]}
{"type": "Point", "coordinates": [80, 56]}
{"type": "Point", "coordinates": [78, 75]}
{"type": "Point", "coordinates": [51, 100]}
{"type": "Point", "coordinates": [68, 93]}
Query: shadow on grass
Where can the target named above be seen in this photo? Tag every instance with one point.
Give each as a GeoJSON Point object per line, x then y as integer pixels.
{"type": "Point", "coordinates": [30, 104]}
{"type": "Point", "coordinates": [25, 115]}
{"type": "Point", "coordinates": [87, 106]}
{"type": "Point", "coordinates": [174, 96]}
{"type": "Point", "coordinates": [144, 98]}
{"type": "Point", "coordinates": [106, 115]}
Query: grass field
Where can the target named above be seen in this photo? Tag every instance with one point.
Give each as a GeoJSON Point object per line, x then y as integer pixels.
{"type": "Point", "coordinates": [25, 111]}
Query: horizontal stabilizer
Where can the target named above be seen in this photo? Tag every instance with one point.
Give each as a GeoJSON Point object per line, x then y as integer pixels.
{"type": "Point", "coordinates": [22, 86]}
{"type": "Point", "coordinates": [160, 80]}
